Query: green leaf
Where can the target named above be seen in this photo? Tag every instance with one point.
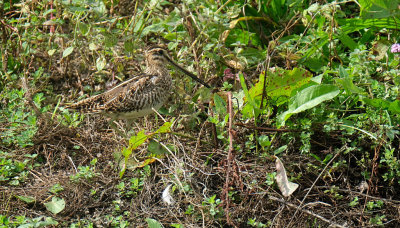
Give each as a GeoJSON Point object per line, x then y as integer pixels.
{"type": "Point", "coordinates": [220, 104]}
{"type": "Point", "coordinates": [27, 199]}
{"type": "Point", "coordinates": [264, 141]}
{"type": "Point", "coordinates": [136, 140]}
{"type": "Point", "coordinates": [56, 205]}
{"type": "Point", "coordinates": [281, 82]}
{"type": "Point", "coordinates": [56, 188]}
{"type": "Point", "coordinates": [156, 148]}
{"type": "Point", "coordinates": [308, 98]}
{"type": "Point", "coordinates": [379, 8]}
{"type": "Point", "coordinates": [165, 128]}
{"type": "Point", "coordinates": [67, 51]}
{"type": "Point", "coordinates": [348, 41]}
{"type": "Point", "coordinates": [154, 28]}
{"type": "Point", "coordinates": [84, 28]}
{"type": "Point", "coordinates": [153, 223]}
{"type": "Point", "coordinates": [51, 52]}
{"type": "Point", "coordinates": [393, 106]}
{"type": "Point", "coordinates": [346, 81]}
{"type": "Point", "coordinates": [251, 110]}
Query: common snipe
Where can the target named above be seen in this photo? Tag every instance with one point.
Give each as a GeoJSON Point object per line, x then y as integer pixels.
{"type": "Point", "coordinates": [140, 95]}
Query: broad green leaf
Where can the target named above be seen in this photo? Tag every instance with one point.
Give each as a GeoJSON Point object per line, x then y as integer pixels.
{"type": "Point", "coordinates": [281, 82]}
{"type": "Point", "coordinates": [308, 98]}
{"type": "Point", "coordinates": [152, 223]}
{"type": "Point", "coordinates": [84, 28]}
{"type": "Point", "coordinates": [136, 140]}
{"type": "Point", "coordinates": [264, 141]}
{"type": "Point", "coordinates": [67, 51]}
{"type": "Point", "coordinates": [56, 205]}
{"type": "Point", "coordinates": [312, 96]}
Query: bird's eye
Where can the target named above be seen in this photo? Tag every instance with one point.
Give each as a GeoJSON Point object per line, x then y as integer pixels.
{"type": "Point", "coordinates": [160, 52]}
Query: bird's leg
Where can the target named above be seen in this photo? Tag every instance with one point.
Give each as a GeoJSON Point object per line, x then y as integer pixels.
{"type": "Point", "coordinates": [117, 127]}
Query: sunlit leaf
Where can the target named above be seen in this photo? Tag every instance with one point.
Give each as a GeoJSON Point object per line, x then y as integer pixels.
{"type": "Point", "coordinates": [100, 63]}
{"type": "Point", "coordinates": [51, 52]}
{"type": "Point", "coordinates": [281, 82]}
{"type": "Point", "coordinates": [165, 128]}
{"type": "Point", "coordinates": [56, 205]}
{"type": "Point", "coordinates": [308, 98]}
{"type": "Point", "coordinates": [67, 51]}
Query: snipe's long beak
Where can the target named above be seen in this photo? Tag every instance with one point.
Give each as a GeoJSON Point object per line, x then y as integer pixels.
{"type": "Point", "coordinates": [194, 77]}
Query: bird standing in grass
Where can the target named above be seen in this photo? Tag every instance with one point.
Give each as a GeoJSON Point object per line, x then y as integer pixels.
{"type": "Point", "coordinates": [140, 95]}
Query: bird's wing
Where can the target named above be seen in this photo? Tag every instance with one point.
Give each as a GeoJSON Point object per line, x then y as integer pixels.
{"type": "Point", "coordinates": [115, 97]}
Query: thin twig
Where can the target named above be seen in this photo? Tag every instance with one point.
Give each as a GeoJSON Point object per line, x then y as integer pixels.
{"type": "Point", "coordinates": [332, 224]}
{"type": "Point", "coordinates": [266, 128]}
{"type": "Point", "coordinates": [315, 181]}
{"type": "Point", "coordinates": [229, 160]}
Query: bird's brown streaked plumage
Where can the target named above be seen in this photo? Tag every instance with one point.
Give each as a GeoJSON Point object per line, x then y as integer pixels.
{"type": "Point", "coordinates": [140, 95]}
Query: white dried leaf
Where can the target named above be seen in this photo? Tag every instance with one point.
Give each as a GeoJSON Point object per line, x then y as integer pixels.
{"type": "Point", "coordinates": [286, 187]}
{"type": "Point", "coordinates": [166, 196]}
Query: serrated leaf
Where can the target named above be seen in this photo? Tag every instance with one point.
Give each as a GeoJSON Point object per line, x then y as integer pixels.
{"type": "Point", "coordinates": [56, 205]}
{"type": "Point", "coordinates": [67, 51]}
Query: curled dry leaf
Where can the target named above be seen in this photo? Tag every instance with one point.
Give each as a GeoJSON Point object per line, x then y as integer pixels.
{"type": "Point", "coordinates": [166, 195]}
{"type": "Point", "coordinates": [286, 187]}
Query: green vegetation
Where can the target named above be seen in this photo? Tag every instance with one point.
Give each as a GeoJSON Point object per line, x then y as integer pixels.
{"type": "Point", "coordinates": [315, 83]}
